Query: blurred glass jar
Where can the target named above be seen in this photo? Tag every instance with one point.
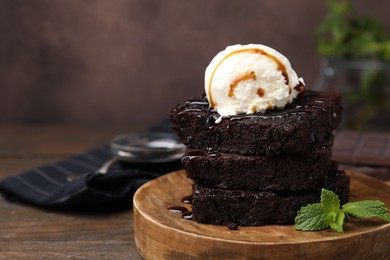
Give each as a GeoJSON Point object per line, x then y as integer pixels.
{"type": "Point", "coordinates": [365, 88]}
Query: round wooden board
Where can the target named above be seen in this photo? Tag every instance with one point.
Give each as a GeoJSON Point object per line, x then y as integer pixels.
{"type": "Point", "coordinates": [162, 234]}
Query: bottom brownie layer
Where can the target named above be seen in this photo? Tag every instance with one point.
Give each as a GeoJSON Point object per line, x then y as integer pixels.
{"type": "Point", "coordinates": [255, 208]}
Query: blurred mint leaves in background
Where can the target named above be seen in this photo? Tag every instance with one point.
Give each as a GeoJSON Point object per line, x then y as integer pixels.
{"type": "Point", "coordinates": [344, 34]}
{"type": "Point", "coordinates": [358, 50]}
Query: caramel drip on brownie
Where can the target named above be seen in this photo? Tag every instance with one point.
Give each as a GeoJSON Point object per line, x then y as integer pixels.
{"type": "Point", "coordinates": [254, 108]}
{"type": "Point", "coordinates": [280, 67]}
{"type": "Point", "coordinates": [270, 106]}
{"type": "Point", "coordinates": [300, 88]}
{"type": "Point", "coordinates": [246, 76]}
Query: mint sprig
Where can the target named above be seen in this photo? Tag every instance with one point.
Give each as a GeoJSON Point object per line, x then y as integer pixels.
{"type": "Point", "coordinates": [328, 214]}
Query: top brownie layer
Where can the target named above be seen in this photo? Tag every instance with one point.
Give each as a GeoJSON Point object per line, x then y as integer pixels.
{"type": "Point", "coordinates": [309, 118]}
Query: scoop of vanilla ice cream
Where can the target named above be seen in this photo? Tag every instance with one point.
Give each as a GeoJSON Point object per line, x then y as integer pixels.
{"type": "Point", "coordinates": [244, 79]}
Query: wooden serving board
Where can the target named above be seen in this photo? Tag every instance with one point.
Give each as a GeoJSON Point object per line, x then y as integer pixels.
{"type": "Point", "coordinates": [162, 234]}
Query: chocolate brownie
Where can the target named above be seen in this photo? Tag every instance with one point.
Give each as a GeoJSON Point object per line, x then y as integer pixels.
{"type": "Point", "coordinates": [305, 171]}
{"type": "Point", "coordinates": [250, 208]}
{"type": "Point", "coordinates": [310, 118]}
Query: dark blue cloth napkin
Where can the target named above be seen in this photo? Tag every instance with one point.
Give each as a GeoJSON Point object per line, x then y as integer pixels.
{"type": "Point", "coordinates": [74, 183]}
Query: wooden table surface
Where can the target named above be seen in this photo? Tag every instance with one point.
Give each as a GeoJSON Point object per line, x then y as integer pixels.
{"type": "Point", "coordinates": [27, 232]}
{"type": "Point", "coordinates": [34, 233]}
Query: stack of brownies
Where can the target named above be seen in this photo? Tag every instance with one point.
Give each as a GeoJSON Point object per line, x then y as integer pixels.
{"type": "Point", "coordinates": [260, 168]}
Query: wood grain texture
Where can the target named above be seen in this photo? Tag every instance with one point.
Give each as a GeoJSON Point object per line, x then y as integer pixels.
{"type": "Point", "coordinates": [33, 233]}
{"type": "Point", "coordinates": [161, 234]}
{"type": "Point", "coordinates": [28, 232]}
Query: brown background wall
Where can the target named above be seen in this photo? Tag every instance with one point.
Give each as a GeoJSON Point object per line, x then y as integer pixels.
{"type": "Point", "coordinates": [127, 62]}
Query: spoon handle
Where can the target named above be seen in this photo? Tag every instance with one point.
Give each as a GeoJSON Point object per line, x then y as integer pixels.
{"type": "Point", "coordinates": [106, 166]}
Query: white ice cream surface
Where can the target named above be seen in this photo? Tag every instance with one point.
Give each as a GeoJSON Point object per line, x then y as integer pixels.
{"type": "Point", "coordinates": [244, 79]}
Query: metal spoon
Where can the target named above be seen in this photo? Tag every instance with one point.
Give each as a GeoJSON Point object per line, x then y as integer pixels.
{"type": "Point", "coordinates": [153, 147]}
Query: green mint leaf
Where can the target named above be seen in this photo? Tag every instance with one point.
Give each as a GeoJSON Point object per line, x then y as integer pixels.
{"type": "Point", "coordinates": [367, 208]}
{"type": "Point", "coordinates": [330, 201]}
{"type": "Point", "coordinates": [337, 223]}
{"type": "Point", "coordinates": [312, 217]}
{"type": "Point", "coordinates": [327, 214]}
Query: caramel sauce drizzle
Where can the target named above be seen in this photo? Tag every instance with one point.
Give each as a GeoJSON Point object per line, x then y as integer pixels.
{"type": "Point", "coordinates": [280, 67]}
{"type": "Point", "coordinates": [270, 106]}
{"type": "Point", "coordinates": [246, 76]}
{"type": "Point", "coordinates": [300, 87]}
{"type": "Point", "coordinates": [254, 108]}
{"type": "Point", "coordinates": [260, 92]}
